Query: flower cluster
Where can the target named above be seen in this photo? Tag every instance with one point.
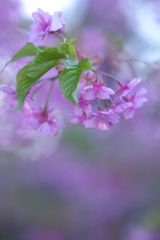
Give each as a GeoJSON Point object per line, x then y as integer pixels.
{"type": "Point", "coordinates": [125, 100]}
{"type": "Point", "coordinates": [79, 80]}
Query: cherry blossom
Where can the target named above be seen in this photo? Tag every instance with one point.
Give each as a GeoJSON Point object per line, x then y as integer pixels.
{"type": "Point", "coordinates": [46, 123]}
{"type": "Point", "coordinates": [102, 120]}
{"type": "Point", "coordinates": [137, 99]}
{"type": "Point", "coordinates": [12, 100]}
{"type": "Point", "coordinates": [11, 96]}
{"type": "Point", "coordinates": [45, 23]}
{"type": "Point", "coordinates": [84, 105]}
{"type": "Point", "coordinates": [128, 87]}
{"type": "Point", "coordinates": [96, 90]}
{"type": "Point", "coordinates": [78, 117]}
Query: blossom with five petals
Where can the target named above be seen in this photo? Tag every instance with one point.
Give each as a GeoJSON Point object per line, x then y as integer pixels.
{"type": "Point", "coordinates": [96, 90]}
{"type": "Point", "coordinates": [45, 23]}
{"type": "Point", "coordinates": [137, 99]}
{"type": "Point", "coordinates": [102, 120]}
{"type": "Point", "coordinates": [47, 123]}
{"type": "Point", "coordinates": [78, 117]}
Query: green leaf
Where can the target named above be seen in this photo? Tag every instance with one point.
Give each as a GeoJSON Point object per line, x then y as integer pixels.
{"type": "Point", "coordinates": [42, 47]}
{"type": "Point", "coordinates": [70, 63]}
{"type": "Point", "coordinates": [70, 76]}
{"type": "Point", "coordinates": [73, 40]}
{"type": "Point", "coordinates": [69, 48]}
{"type": "Point", "coordinates": [85, 65]}
{"type": "Point", "coordinates": [34, 70]}
{"type": "Point", "coordinates": [28, 50]}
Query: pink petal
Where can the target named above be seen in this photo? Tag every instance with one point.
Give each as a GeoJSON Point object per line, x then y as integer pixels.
{"type": "Point", "coordinates": [139, 102]}
{"type": "Point", "coordinates": [103, 125]}
{"type": "Point", "coordinates": [91, 123]}
{"type": "Point", "coordinates": [56, 23]}
{"type": "Point", "coordinates": [121, 107]}
{"type": "Point", "coordinates": [88, 93]}
{"type": "Point", "coordinates": [60, 124]}
{"type": "Point", "coordinates": [122, 92]}
{"type": "Point", "coordinates": [30, 102]}
{"type": "Point", "coordinates": [54, 131]}
{"type": "Point", "coordinates": [129, 113]}
{"type": "Point", "coordinates": [36, 16]}
{"type": "Point", "coordinates": [142, 91]}
{"type": "Point", "coordinates": [74, 119]}
{"type": "Point", "coordinates": [44, 16]}
{"type": "Point", "coordinates": [45, 128]}
{"type": "Point", "coordinates": [104, 92]}
{"type": "Point", "coordinates": [132, 83]}
{"type": "Point", "coordinates": [9, 90]}
{"type": "Point", "coordinates": [113, 118]}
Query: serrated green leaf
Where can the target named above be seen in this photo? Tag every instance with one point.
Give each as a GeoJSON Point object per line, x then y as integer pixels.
{"type": "Point", "coordinates": [42, 47]}
{"type": "Point", "coordinates": [68, 48]}
{"type": "Point", "coordinates": [28, 50]}
{"type": "Point", "coordinates": [85, 65]}
{"type": "Point", "coordinates": [70, 76]}
{"type": "Point", "coordinates": [70, 63]}
{"type": "Point", "coordinates": [34, 70]}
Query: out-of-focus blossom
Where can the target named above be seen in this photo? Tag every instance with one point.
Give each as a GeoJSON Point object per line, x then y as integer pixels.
{"type": "Point", "coordinates": [12, 100]}
{"type": "Point", "coordinates": [47, 123]}
{"type": "Point", "coordinates": [85, 80]}
{"type": "Point", "coordinates": [102, 120]}
{"type": "Point", "coordinates": [96, 90]}
{"type": "Point", "coordinates": [137, 99]}
{"type": "Point", "coordinates": [79, 115]}
{"type": "Point", "coordinates": [45, 23]}
{"type": "Point", "coordinates": [11, 96]}
{"type": "Point", "coordinates": [84, 105]}
{"type": "Point", "coordinates": [128, 87]}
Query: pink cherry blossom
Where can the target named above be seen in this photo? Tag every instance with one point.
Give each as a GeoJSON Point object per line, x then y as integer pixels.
{"type": "Point", "coordinates": [45, 23]}
{"type": "Point", "coordinates": [137, 99]}
{"type": "Point", "coordinates": [84, 105]}
{"type": "Point", "coordinates": [47, 123]}
{"type": "Point", "coordinates": [11, 96]}
{"type": "Point", "coordinates": [96, 90]}
{"type": "Point", "coordinates": [85, 80]}
{"type": "Point", "coordinates": [12, 100]}
{"type": "Point", "coordinates": [128, 87]}
{"type": "Point", "coordinates": [78, 117]}
{"type": "Point", "coordinates": [102, 120]}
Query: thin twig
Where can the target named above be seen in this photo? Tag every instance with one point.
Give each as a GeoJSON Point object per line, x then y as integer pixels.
{"type": "Point", "coordinates": [107, 74]}
{"type": "Point", "coordinates": [100, 78]}
{"type": "Point", "coordinates": [56, 35]}
{"type": "Point", "coordinates": [48, 97]}
{"type": "Point", "coordinates": [35, 91]}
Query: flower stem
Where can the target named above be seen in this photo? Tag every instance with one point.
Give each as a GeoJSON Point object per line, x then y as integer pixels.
{"type": "Point", "coordinates": [56, 35]}
{"type": "Point", "coordinates": [100, 78]}
{"type": "Point", "coordinates": [105, 104]}
{"type": "Point", "coordinates": [99, 102]}
{"type": "Point", "coordinates": [34, 92]}
{"type": "Point", "coordinates": [131, 67]}
{"type": "Point", "coordinates": [107, 74]}
{"type": "Point", "coordinates": [64, 34]}
{"type": "Point", "coordinates": [48, 97]}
